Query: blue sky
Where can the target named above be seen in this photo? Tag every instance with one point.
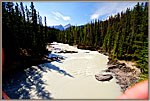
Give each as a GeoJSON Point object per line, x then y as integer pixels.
{"type": "Point", "coordinates": [78, 13]}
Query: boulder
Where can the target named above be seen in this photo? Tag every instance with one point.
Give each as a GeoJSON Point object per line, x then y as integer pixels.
{"type": "Point", "coordinates": [107, 70]}
{"type": "Point", "coordinates": [112, 67]}
{"type": "Point", "coordinates": [103, 77]}
{"type": "Point", "coordinates": [123, 64]}
{"type": "Point", "coordinates": [61, 58]}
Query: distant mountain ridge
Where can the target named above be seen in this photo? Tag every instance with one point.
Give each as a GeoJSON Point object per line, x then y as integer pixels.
{"type": "Point", "coordinates": [61, 28]}
{"type": "Point", "coordinates": [67, 26]}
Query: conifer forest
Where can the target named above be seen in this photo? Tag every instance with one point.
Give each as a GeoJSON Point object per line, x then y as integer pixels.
{"type": "Point", "coordinates": [123, 36]}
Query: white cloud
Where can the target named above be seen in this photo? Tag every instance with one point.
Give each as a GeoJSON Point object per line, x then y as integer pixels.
{"type": "Point", "coordinates": [109, 9]}
{"type": "Point", "coordinates": [59, 15]}
{"type": "Point", "coordinates": [95, 16]}
{"type": "Point", "coordinates": [66, 18]}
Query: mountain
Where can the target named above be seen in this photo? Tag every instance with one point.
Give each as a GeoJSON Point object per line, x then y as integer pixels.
{"type": "Point", "coordinates": [67, 26]}
{"type": "Point", "coordinates": [61, 28]}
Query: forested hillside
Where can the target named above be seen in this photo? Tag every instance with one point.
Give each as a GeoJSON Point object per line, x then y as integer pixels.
{"type": "Point", "coordinates": [23, 34]}
{"type": "Point", "coordinates": [124, 36]}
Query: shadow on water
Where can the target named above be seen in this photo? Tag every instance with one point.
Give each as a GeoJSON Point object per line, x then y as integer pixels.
{"type": "Point", "coordinates": [54, 55]}
{"type": "Point", "coordinates": [59, 61]}
{"type": "Point", "coordinates": [50, 55]}
{"type": "Point", "coordinates": [44, 66]}
{"type": "Point", "coordinates": [58, 57]}
{"type": "Point", "coordinates": [26, 85]}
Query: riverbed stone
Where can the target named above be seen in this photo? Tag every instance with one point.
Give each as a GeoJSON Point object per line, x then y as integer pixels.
{"type": "Point", "coordinates": [112, 67]}
{"type": "Point", "coordinates": [125, 75]}
{"type": "Point", "coordinates": [103, 77]}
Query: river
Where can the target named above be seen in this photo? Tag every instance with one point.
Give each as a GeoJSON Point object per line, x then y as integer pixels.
{"type": "Point", "coordinates": [71, 78]}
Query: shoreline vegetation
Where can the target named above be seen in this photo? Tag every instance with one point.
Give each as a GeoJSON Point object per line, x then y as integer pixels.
{"type": "Point", "coordinates": [123, 37]}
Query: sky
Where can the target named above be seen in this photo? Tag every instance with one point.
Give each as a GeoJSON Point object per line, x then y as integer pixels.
{"type": "Point", "coordinates": [78, 13]}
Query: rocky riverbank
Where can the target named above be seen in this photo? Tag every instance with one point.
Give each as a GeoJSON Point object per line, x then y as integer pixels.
{"type": "Point", "coordinates": [125, 72]}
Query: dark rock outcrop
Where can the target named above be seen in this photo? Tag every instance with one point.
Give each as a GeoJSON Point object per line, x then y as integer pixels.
{"type": "Point", "coordinates": [112, 67]}
{"type": "Point", "coordinates": [103, 77]}
{"type": "Point", "coordinates": [65, 51]}
{"type": "Point", "coordinates": [126, 76]}
{"type": "Point", "coordinates": [46, 59]}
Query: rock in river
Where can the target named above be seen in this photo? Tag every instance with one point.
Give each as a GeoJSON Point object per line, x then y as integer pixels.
{"type": "Point", "coordinates": [103, 77]}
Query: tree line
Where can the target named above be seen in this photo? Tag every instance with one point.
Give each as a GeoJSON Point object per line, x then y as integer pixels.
{"type": "Point", "coordinates": [123, 36]}
{"type": "Point", "coordinates": [23, 33]}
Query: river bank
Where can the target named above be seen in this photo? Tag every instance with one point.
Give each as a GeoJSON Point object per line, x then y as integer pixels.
{"type": "Point", "coordinates": [26, 59]}
{"type": "Point", "coordinates": [126, 72]}
{"type": "Point", "coordinates": [67, 60]}
{"type": "Point", "coordinates": [67, 74]}
{"type": "Point", "coordinates": [67, 67]}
